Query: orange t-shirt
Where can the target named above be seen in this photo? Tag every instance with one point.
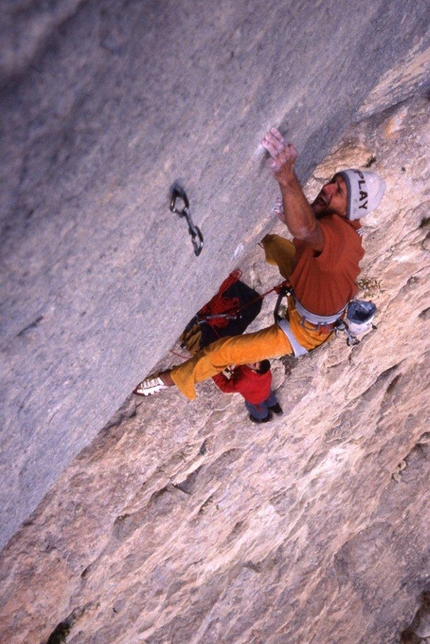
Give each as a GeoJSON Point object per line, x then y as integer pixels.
{"type": "Point", "coordinates": [325, 282]}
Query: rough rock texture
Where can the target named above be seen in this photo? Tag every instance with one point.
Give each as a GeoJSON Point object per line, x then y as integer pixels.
{"type": "Point", "coordinates": [184, 523]}
{"type": "Point", "coordinates": [103, 105]}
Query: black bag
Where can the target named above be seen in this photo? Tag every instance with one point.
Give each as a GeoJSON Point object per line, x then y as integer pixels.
{"type": "Point", "coordinates": [228, 313]}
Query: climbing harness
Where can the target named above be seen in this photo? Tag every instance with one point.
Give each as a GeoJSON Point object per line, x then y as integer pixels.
{"type": "Point", "coordinates": [354, 319]}
{"type": "Point", "coordinates": [177, 192]}
{"type": "Point", "coordinates": [318, 320]}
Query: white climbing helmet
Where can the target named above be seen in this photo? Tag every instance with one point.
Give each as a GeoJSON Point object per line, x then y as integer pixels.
{"type": "Point", "coordinates": [365, 191]}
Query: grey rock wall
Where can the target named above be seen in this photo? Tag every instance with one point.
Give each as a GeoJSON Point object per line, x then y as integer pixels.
{"type": "Point", "coordinates": [103, 105]}
{"type": "Point", "coordinates": [184, 523]}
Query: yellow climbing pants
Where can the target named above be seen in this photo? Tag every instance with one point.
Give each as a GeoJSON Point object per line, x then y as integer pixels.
{"type": "Point", "coordinates": [250, 347]}
{"type": "Point", "coordinates": [280, 252]}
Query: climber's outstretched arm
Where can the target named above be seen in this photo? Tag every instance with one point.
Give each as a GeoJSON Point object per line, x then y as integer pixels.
{"type": "Point", "coordinates": [298, 215]}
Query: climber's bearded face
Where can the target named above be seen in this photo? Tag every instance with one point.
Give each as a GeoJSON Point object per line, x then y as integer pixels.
{"type": "Point", "coordinates": [332, 198]}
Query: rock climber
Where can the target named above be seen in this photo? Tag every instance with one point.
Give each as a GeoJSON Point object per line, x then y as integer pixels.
{"type": "Point", "coordinates": [321, 265]}
{"type": "Point", "coordinates": [254, 382]}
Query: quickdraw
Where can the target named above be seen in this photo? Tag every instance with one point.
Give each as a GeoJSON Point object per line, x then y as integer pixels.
{"type": "Point", "coordinates": [196, 235]}
{"type": "Point", "coordinates": [283, 290]}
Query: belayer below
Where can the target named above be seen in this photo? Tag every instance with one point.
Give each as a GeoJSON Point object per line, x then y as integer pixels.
{"type": "Point", "coordinates": [254, 382]}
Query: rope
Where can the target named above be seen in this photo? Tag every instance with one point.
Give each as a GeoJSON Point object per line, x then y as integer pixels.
{"type": "Point", "coordinates": [179, 355]}
{"type": "Point", "coordinates": [229, 308]}
{"type": "Point", "coordinates": [217, 308]}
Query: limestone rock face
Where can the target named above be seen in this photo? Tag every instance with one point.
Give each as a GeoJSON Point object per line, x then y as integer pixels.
{"type": "Point", "coordinates": [105, 104]}
{"type": "Point", "coordinates": [184, 523]}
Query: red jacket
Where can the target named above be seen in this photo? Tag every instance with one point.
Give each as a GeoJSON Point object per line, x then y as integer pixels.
{"type": "Point", "coordinates": [254, 387]}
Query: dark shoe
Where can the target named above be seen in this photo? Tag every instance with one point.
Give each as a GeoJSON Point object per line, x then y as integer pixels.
{"type": "Point", "coordinates": [261, 420]}
{"type": "Point", "coordinates": [277, 409]}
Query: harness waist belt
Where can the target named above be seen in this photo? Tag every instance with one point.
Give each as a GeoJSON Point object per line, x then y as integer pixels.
{"type": "Point", "coordinates": [317, 319]}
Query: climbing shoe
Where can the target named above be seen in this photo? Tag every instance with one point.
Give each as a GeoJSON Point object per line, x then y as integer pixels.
{"type": "Point", "coordinates": [277, 409]}
{"type": "Point", "coordinates": [149, 386]}
{"type": "Point", "coordinates": [261, 420]}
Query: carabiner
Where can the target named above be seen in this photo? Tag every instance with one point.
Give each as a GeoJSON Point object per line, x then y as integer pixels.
{"type": "Point", "coordinates": [196, 235]}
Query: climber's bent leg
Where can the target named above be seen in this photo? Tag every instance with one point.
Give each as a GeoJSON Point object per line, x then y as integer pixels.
{"type": "Point", "coordinates": [280, 252]}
